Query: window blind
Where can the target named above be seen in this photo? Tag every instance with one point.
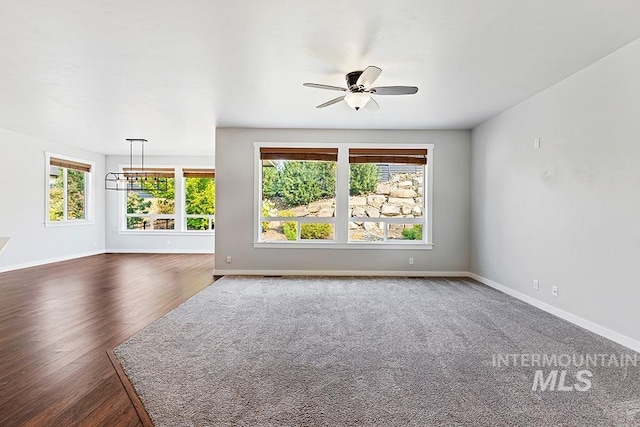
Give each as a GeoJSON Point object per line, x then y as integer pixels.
{"type": "Point", "coordinates": [412, 156]}
{"type": "Point", "coordinates": [69, 164]}
{"type": "Point", "coordinates": [199, 173]}
{"type": "Point", "coordinates": [280, 153]}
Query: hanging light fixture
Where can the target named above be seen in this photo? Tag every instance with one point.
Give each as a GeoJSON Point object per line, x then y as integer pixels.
{"type": "Point", "coordinates": [357, 100]}
{"type": "Point", "coordinates": [137, 178]}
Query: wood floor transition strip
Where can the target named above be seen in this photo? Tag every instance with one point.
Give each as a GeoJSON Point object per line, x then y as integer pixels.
{"type": "Point", "coordinates": [145, 419]}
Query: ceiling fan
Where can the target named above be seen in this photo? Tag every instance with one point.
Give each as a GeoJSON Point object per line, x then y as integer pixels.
{"type": "Point", "coordinates": [359, 89]}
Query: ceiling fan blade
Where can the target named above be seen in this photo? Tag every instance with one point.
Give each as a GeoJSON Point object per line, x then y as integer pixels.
{"type": "Point", "coordinates": [368, 76]}
{"type": "Point", "coordinates": [394, 90]}
{"type": "Point", "coordinates": [319, 86]}
{"type": "Point", "coordinates": [333, 101]}
{"type": "Point", "coordinates": [372, 106]}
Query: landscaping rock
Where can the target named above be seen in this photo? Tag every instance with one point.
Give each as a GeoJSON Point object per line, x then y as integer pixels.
{"type": "Point", "coordinates": [326, 213]}
{"type": "Point", "coordinates": [401, 202]}
{"type": "Point", "coordinates": [390, 210]}
{"type": "Point", "coordinates": [373, 212]}
{"type": "Point", "coordinates": [403, 193]}
{"type": "Point", "coordinates": [358, 211]}
{"type": "Point", "coordinates": [370, 226]}
{"type": "Point", "coordinates": [376, 200]}
{"type": "Point", "coordinates": [357, 201]}
{"type": "Point", "coordinates": [314, 207]}
{"type": "Point", "coordinates": [300, 211]}
{"type": "Point", "coordinates": [383, 188]}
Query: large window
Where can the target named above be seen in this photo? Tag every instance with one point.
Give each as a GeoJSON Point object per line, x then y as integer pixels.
{"type": "Point", "coordinates": [387, 189]}
{"type": "Point", "coordinates": [186, 203]}
{"type": "Point", "coordinates": [343, 196]}
{"type": "Point", "coordinates": [298, 193]}
{"type": "Point", "coordinates": [67, 190]}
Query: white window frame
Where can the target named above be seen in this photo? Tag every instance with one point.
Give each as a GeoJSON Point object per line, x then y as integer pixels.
{"type": "Point", "coordinates": [180, 210]}
{"type": "Point", "coordinates": [341, 218]}
{"type": "Point", "coordinates": [88, 192]}
{"type": "Point", "coordinates": [185, 215]}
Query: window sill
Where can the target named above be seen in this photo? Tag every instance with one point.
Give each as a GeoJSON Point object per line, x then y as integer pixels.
{"type": "Point", "coordinates": [167, 233]}
{"type": "Point", "coordinates": [68, 223]}
{"type": "Point", "coordinates": [335, 245]}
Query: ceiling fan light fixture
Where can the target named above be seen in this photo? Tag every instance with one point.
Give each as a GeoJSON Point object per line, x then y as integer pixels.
{"type": "Point", "coordinates": [357, 100]}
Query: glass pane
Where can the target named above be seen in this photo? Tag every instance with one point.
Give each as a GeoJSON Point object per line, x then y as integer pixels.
{"type": "Point", "coordinates": [138, 223]}
{"type": "Point", "coordinates": [200, 196]}
{"type": "Point", "coordinates": [197, 223]}
{"type": "Point", "coordinates": [138, 202]}
{"type": "Point", "coordinates": [298, 188]}
{"type": "Point", "coordinates": [386, 190]}
{"type": "Point", "coordinates": [56, 196]}
{"type": "Point", "coordinates": [75, 194]}
{"type": "Point", "coordinates": [164, 224]}
{"type": "Point", "coordinates": [279, 230]}
{"type": "Point", "coordinates": [316, 231]}
{"type": "Point", "coordinates": [151, 201]}
{"type": "Point", "coordinates": [404, 232]}
{"type": "Point", "coordinates": [366, 231]}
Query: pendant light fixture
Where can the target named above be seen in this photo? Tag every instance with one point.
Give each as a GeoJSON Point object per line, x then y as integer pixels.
{"type": "Point", "coordinates": [138, 178]}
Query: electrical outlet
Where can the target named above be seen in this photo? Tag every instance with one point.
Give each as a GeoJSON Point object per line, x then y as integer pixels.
{"type": "Point", "coordinates": [554, 291]}
{"type": "Point", "coordinates": [536, 284]}
{"type": "Point", "coordinates": [536, 143]}
{"type": "Point", "coordinates": [410, 261]}
{"type": "Point", "coordinates": [229, 259]}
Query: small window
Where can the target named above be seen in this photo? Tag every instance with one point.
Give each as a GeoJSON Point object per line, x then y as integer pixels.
{"type": "Point", "coordinates": [200, 199]}
{"type": "Point", "coordinates": [67, 190]}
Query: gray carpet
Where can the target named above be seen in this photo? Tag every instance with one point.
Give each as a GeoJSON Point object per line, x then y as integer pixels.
{"type": "Point", "coordinates": [292, 351]}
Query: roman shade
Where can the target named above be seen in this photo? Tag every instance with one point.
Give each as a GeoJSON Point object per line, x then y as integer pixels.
{"type": "Point", "coordinates": [280, 153]}
{"type": "Point", "coordinates": [412, 156]}
{"type": "Point", "coordinates": [69, 164]}
{"type": "Point", "coordinates": [199, 173]}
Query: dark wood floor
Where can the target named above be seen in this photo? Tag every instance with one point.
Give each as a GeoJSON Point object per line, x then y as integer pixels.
{"type": "Point", "coordinates": [58, 320]}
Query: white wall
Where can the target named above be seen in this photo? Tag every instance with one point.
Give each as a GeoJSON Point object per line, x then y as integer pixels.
{"type": "Point", "coordinates": [152, 242]}
{"type": "Point", "coordinates": [568, 213]}
{"type": "Point", "coordinates": [235, 206]}
{"type": "Point", "coordinates": [23, 175]}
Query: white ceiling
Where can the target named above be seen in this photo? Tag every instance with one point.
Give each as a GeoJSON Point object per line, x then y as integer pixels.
{"type": "Point", "coordinates": [92, 73]}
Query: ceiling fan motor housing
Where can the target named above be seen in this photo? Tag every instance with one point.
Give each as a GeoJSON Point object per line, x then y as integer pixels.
{"type": "Point", "coordinates": [352, 79]}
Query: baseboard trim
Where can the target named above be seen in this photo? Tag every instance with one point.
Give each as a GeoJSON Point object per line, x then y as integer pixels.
{"type": "Point", "coordinates": [159, 251]}
{"type": "Point", "coordinates": [403, 273]}
{"type": "Point", "coordinates": [569, 317]}
{"type": "Point", "coordinates": [36, 263]}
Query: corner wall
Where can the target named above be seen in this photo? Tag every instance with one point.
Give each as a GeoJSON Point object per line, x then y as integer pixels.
{"type": "Point", "coordinates": [235, 206]}
{"type": "Point", "coordinates": [23, 175]}
{"type": "Point", "coordinates": [567, 213]}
